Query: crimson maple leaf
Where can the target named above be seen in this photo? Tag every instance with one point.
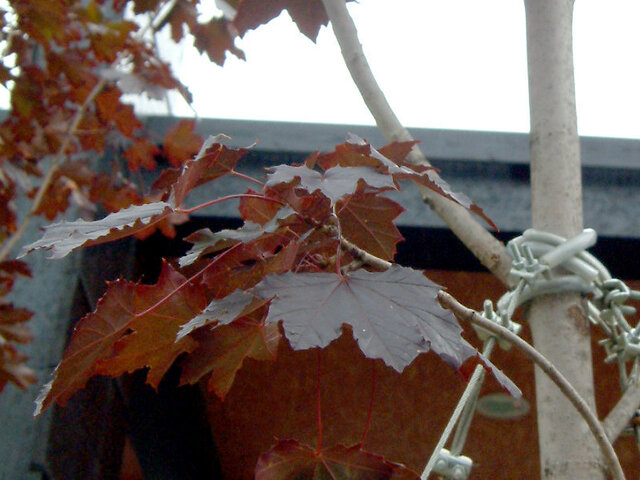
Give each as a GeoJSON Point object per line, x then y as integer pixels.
{"type": "Point", "coordinates": [222, 351]}
{"type": "Point", "coordinates": [134, 326]}
{"type": "Point", "coordinates": [309, 15]}
{"type": "Point", "coordinates": [367, 219]}
{"type": "Point", "coordinates": [290, 460]}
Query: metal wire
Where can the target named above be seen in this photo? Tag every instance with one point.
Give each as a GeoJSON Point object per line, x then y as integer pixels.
{"type": "Point", "coordinates": [545, 263]}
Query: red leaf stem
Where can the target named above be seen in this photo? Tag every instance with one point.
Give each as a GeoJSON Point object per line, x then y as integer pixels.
{"type": "Point", "coordinates": [247, 178]}
{"type": "Point", "coordinates": [224, 199]}
{"type": "Point", "coordinates": [187, 282]}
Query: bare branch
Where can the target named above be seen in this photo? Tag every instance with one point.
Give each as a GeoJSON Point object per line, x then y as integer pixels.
{"type": "Point", "coordinates": [53, 169]}
{"type": "Point", "coordinates": [478, 240]}
{"type": "Point", "coordinates": [620, 415]}
{"type": "Point", "coordinates": [358, 253]}
{"type": "Point", "coordinates": [549, 369]}
{"type": "Point", "coordinates": [364, 256]}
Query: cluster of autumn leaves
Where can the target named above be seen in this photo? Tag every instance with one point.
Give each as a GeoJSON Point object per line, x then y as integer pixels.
{"type": "Point", "coordinates": [67, 65]}
{"type": "Point", "coordinates": [314, 252]}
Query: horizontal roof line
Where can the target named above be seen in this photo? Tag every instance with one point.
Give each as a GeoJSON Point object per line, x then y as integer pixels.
{"type": "Point", "coordinates": [500, 147]}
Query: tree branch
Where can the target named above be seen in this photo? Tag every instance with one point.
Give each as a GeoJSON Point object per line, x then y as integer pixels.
{"type": "Point", "coordinates": [480, 242]}
{"type": "Point", "coordinates": [549, 369]}
{"type": "Point", "coordinates": [620, 415]}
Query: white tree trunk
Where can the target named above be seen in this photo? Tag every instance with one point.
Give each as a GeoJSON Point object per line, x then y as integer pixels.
{"type": "Point", "coordinates": [559, 328]}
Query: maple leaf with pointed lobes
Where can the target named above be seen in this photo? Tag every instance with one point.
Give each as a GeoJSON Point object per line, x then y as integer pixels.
{"type": "Point", "coordinates": [215, 38]}
{"type": "Point", "coordinates": [223, 311]}
{"type": "Point", "coordinates": [205, 241]}
{"type": "Point", "coordinates": [309, 15]}
{"type": "Point", "coordinates": [141, 153]}
{"type": "Point", "coordinates": [367, 219]}
{"type": "Point", "coordinates": [335, 183]}
{"type": "Point", "coordinates": [134, 326]}
{"type": "Point", "coordinates": [249, 263]}
{"type": "Point", "coordinates": [387, 321]}
{"type": "Point", "coordinates": [111, 109]}
{"type": "Point", "coordinates": [257, 210]}
{"type": "Point", "coordinates": [222, 351]}
{"type": "Point", "coordinates": [423, 175]}
{"type": "Point", "coordinates": [183, 13]}
{"type": "Point", "coordinates": [181, 142]}
{"type": "Point", "coordinates": [290, 460]}
{"type": "Point", "coordinates": [64, 237]}
{"type": "Point", "coordinates": [213, 161]}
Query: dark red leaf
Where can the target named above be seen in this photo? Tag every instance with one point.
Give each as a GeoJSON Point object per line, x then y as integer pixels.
{"type": "Point", "coordinates": [12, 327]}
{"type": "Point", "coordinates": [205, 241]}
{"type": "Point", "coordinates": [213, 161]}
{"type": "Point", "coordinates": [223, 311]}
{"type": "Point", "coordinates": [143, 6]}
{"type": "Point", "coordinates": [134, 326]}
{"type": "Point", "coordinates": [111, 109]}
{"type": "Point", "coordinates": [141, 153]}
{"type": "Point", "coordinates": [215, 38]}
{"type": "Point", "coordinates": [183, 13]}
{"type": "Point", "coordinates": [425, 176]}
{"type": "Point", "coordinates": [367, 219]}
{"type": "Point", "coordinates": [309, 15]}
{"type": "Point", "coordinates": [222, 351]}
{"type": "Point", "coordinates": [249, 263]}
{"type": "Point", "coordinates": [12, 267]}
{"type": "Point", "coordinates": [290, 460]}
{"type": "Point", "coordinates": [257, 210]}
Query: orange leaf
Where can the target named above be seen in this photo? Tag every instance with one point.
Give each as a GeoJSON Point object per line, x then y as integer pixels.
{"type": "Point", "coordinates": [111, 109]}
{"type": "Point", "coordinates": [141, 154]}
{"type": "Point", "coordinates": [181, 142]}
{"type": "Point", "coordinates": [13, 369]}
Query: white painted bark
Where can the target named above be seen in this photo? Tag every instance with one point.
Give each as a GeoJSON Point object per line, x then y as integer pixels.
{"type": "Point", "coordinates": [477, 239]}
{"type": "Point", "coordinates": [558, 325]}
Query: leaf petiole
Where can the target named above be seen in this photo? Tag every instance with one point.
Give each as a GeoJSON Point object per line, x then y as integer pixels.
{"type": "Point", "coordinates": [187, 282]}
{"type": "Point", "coordinates": [224, 199]}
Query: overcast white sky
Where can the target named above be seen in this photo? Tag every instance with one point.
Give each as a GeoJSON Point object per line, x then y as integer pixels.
{"type": "Point", "coordinates": [454, 64]}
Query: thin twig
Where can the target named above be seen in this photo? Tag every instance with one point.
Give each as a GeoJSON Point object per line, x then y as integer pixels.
{"type": "Point", "coordinates": [51, 173]}
{"type": "Point", "coordinates": [549, 369]}
{"type": "Point", "coordinates": [478, 240]}
{"type": "Point", "coordinates": [357, 252]}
